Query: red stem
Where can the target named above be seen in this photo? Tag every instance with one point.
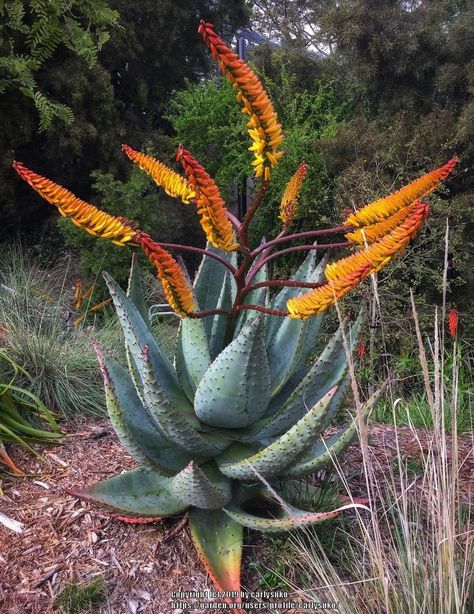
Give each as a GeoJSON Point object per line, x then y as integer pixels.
{"type": "Point", "coordinates": [302, 235]}
{"type": "Point", "coordinates": [208, 312]}
{"type": "Point", "coordinates": [272, 312]}
{"type": "Point", "coordinates": [288, 250]}
{"type": "Point", "coordinates": [198, 250]}
{"type": "Point", "coordinates": [282, 282]}
{"type": "Point", "coordinates": [243, 230]}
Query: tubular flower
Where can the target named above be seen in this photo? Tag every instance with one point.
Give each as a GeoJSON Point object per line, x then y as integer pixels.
{"type": "Point", "coordinates": [371, 233]}
{"type": "Point", "coordinates": [290, 195]}
{"type": "Point", "coordinates": [264, 129]}
{"type": "Point", "coordinates": [82, 214]}
{"type": "Point", "coordinates": [211, 208]}
{"type": "Point", "coordinates": [173, 279]}
{"type": "Point", "coordinates": [345, 274]}
{"type": "Point", "coordinates": [385, 207]}
{"type": "Point", "coordinates": [172, 183]}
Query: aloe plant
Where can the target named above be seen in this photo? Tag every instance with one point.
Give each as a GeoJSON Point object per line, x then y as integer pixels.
{"type": "Point", "coordinates": [234, 425]}
{"type": "Point", "coordinates": [230, 424]}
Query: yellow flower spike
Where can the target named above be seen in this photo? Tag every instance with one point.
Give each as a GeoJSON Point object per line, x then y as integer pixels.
{"type": "Point", "coordinates": [373, 232]}
{"type": "Point", "coordinates": [263, 125]}
{"type": "Point", "coordinates": [173, 279]}
{"type": "Point", "coordinates": [94, 221]}
{"type": "Point", "coordinates": [172, 183]}
{"type": "Point", "coordinates": [211, 207]}
{"type": "Point", "coordinates": [385, 207]}
{"type": "Point", "coordinates": [345, 274]}
{"type": "Point", "coordinates": [290, 195]}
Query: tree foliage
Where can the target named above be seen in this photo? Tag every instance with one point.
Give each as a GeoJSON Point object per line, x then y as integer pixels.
{"type": "Point", "coordinates": [33, 30]}
{"type": "Point", "coordinates": [153, 47]}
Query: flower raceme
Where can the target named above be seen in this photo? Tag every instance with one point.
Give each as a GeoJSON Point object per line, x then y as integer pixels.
{"type": "Point", "coordinates": [290, 196]}
{"type": "Point", "coordinates": [94, 221]}
{"type": "Point", "coordinates": [172, 183]}
{"type": "Point", "coordinates": [383, 208]}
{"type": "Point", "coordinates": [264, 129]}
{"type": "Point", "coordinates": [119, 231]}
{"type": "Point", "coordinates": [345, 274]}
{"type": "Point", "coordinates": [172, 277]}
{"type": "Point", "coordinates": [211, 208]}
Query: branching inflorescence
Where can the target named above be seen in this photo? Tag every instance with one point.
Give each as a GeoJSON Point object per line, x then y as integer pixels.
{"type": "Point", "coordinates": [243, 400]}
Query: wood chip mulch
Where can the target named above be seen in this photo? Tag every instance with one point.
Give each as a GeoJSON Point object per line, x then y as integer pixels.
{"type": "Point", "coordinates": [65, 540]}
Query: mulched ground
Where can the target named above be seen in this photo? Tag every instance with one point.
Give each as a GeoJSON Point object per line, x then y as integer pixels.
{"type": "Point", "coordinates": [65, 540]}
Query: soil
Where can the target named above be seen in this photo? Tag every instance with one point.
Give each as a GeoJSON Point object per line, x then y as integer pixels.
{"type": "Point", "coordinates": [65, 540]}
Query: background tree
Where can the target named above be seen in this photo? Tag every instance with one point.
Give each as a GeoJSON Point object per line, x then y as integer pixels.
{"type": "Point", "coordinates": [118, 98]}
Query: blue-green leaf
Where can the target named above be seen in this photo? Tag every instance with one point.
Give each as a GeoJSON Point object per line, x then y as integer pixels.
{"type": "Point", "coordinates": [234, 391]}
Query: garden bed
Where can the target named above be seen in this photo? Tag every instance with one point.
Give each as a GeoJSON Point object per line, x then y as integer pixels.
{"type": "Point", "coordinates": [65, 540]}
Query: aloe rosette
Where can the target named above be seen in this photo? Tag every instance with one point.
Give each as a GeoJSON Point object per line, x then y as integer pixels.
{"type": "Point", "coordinates": [223, 429]}
{"type": "Point", "coordinates": [230, 429]}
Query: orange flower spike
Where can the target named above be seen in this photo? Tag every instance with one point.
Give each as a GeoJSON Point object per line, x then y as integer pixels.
{"type": "Point", "coordinates": [264, 129]}
{"type": "Point", "coordinates": [320, 299]}
{"type": "Point", "coordinates": [172, 183]}
{"type": "Point", "coordinates": [384, 250]}
{"type": "Point", "coordinates": [173, 279]}
{"type": "Point", "coordinates": [385, 207]}
{"type": "Point", "coordinates": [211, 207]}
{"type": "Point", "coordinates": [345, 274]}
{"type": "Point", "coordinates": [373, 232]}
{"type": "Point", "coordinates": [82, 214]}
{"type": "Point", "coordinates": [290, 196]}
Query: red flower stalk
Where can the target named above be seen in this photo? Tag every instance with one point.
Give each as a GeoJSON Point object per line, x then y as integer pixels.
{"type": "Point", "coordinates": [264, 128]}
{"type": "Point", "coordinates": [172, 183]}
{"type": "Point", "coordinates": [453, 321]}
{"type": "Point", "coordinates": [175, 284]}
{"type": "Point", "coordinates": [361, 350]}
{"type": "Point", "coordinates": [290, 196]}
{"type": "Point", "coordinates": [211, 207]}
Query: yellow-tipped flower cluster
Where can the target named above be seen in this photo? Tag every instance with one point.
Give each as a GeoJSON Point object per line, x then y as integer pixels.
{"type": "Point", "coordinates": [211, 207]}
{"type": "Point", "coordinates": [383, 208]}
{"type": "Point", "coordinates": [172, 183]}
{"type": "Point", "coordinates": [175, 284]}
{"type": "Point", "coordinates": [96, 222]}
{"type": "Point", "coordinates": [264, 129]}
{"type": "Point", "coordinates": [343, 275]}
{"type": "Point", "coordinates": [371, 233]}
{"type": "Point", "coordinates": [290, 195]}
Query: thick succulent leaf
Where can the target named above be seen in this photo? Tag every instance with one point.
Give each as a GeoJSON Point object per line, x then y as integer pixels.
{"type": "Point", "coordinates": [218, 540]}
{"type": "Point", "coordinates": [135, 290]}
{"type": "Point", "coordinates": [121, 398]}
{"type": "Point", "coordinates": [289, 341]}
{"type": "Point", "coordinates": [137, 336]}
{"type": "Point", "coordinates": [305, 272]}
{"type": "Point", "coordinates": [139, 492]}
{"type": "Point", "coordinates": [174, 425]}
{"type": "Point", "coordinates": [234, 391]}
{"type": "Point", "coordinates": [323, 452]}
{"type": "Point", "coordinates": [275, 458]}
{"type": "Point", "coordinates": [219, 322]}
{"type": "Point", "coordinates": [288, 407]}
{"type": "Point", "coordinates": [209, 281]}
{"type": "Point", "coordinates": [204, 487]}
{"type": "Point", "coordinates": [192, 354]}
{"type": "Point", "coordinates": [133, 425]}
{"type": "Point", "coordinates": [286, 517]}
{"type": "Point", "coordinates": [260, 296]}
